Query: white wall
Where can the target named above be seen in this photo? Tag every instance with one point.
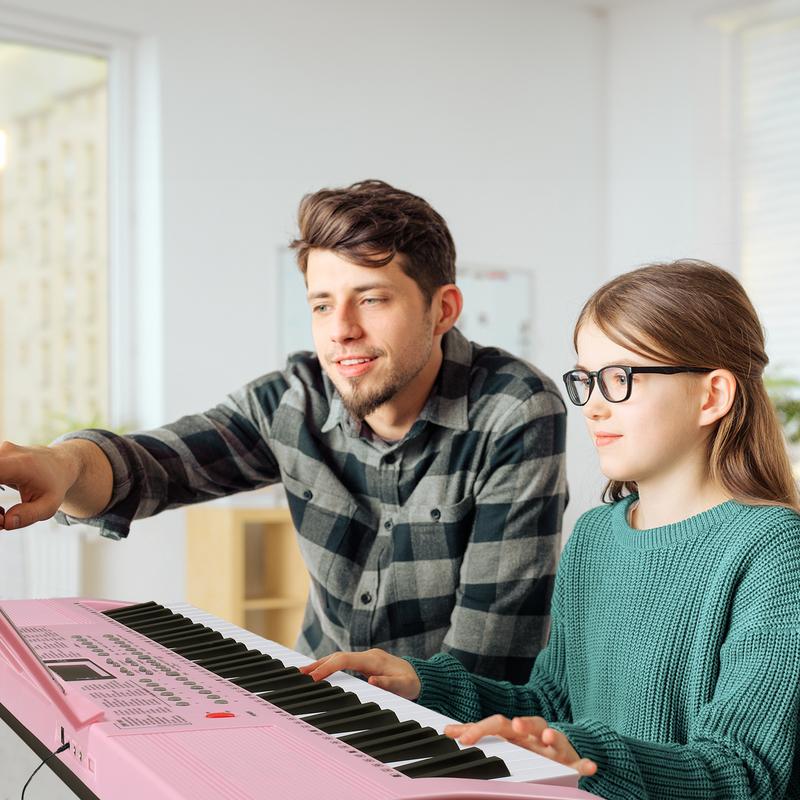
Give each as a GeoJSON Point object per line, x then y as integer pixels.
{"type": "Point", "coordinates": [492, 111]}
{"type": "Point", "coordinates": [671, 190]}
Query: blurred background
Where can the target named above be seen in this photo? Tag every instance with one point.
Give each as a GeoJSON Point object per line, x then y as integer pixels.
{"type": "Point", "coordinates": [152, 156]}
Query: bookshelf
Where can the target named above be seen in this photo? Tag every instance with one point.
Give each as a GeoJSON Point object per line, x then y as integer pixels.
{"type": "Point", "coordinates": [244, 565]}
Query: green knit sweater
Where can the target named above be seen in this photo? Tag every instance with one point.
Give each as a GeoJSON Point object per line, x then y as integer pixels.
{"type": "Point", "coordinates": [673, 660]}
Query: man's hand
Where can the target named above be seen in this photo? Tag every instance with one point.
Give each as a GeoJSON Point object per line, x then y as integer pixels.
{"type": "Point", "coordinates": [533, 733]}
{"type": "Point", "coordinates": [47, 476]}
{"type": "Point", "coordinates": [382, 670]}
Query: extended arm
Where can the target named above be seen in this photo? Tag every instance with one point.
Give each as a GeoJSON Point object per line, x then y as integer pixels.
{"type": "Point", "coordinates": [75, 475]}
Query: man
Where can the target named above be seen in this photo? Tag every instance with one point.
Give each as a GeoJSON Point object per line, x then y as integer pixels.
{"type": "Point", "coordinates": [425, 474]}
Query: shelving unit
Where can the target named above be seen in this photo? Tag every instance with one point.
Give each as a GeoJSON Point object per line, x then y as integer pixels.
{"type": "Point", "coordinates": [244, 565]}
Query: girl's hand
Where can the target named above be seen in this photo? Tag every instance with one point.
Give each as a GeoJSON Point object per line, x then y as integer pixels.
{"type": "Point", "coordinates": [532, 733]}
{"type": "Point", "coordinates": [382, 670]}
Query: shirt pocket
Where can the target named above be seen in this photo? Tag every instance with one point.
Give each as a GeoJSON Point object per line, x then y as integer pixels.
{"type": "Point", "coordinates": [428, 547]}
{"type": "Point", "coordinates": [322, 519]}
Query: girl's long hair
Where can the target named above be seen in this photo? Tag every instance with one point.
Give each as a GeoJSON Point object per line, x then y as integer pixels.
{"type": "Point", "coordinates": [695, 314]}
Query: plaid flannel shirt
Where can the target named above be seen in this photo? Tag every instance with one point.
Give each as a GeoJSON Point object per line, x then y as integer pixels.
{"type": "Point", "coordinates": [446, 540]}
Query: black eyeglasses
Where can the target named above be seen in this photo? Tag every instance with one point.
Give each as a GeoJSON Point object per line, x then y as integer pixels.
{"type": "Point", "coordinates": [614, 381]}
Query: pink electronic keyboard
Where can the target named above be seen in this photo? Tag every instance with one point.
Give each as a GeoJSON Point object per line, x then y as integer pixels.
{"type": "Point", "coordinates": [173, 703]}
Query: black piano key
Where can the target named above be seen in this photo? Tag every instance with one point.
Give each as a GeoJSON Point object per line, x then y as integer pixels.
{"type": "Point", "coordinates": [233, 649]}
{"type": "Point", "coordinates": [213, 649]}
{"type": "Point", "coordinates": [263, 684]}
{"type": "Point", "coordinates": [179, 644]}
{"type": "Point", "coordinates": [357, 718]}
{"type": "Point", "coordinates": [182, 631]}
{"type": "Point", "coordinates": [162, 626]}
{"type": "Point", "coordinates": [143, 617]}
{"type": "Point", "coordinates": [236, 670]}
{"type": "Point", "coordinates": [187, 636]}
{"type": "Point", "coordinates": [239, 660]}
{"type": "Point", "coordinates": [124, 611]}
{"type": "Point", "coordinates": [184, 637]}
{"type": "Point", "coordinates": [322, 687]}
{"type": "Point", "coordinates": [357, 739]}
{"type": "Point", "coordinates": [424, 747]}
{"type": "Point", "coordinates": [245, 680]}
{"type": "Point", "coordinates": [487, 769]}
{"type": "Point", "coordinates": [380, 741]}
{"type": "Point", "coordinates": [468, 763]}
{"type": "Point", "coordinates": [319, 703]}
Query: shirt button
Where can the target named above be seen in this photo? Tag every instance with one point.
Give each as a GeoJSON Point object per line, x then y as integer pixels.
{"type": "Point", "coordinates": [308, 494]}
{"type": "Point", "coordinates": [366, 598]}
{"type": "Point", "coordinates": [388, 524]}
{"type": "Point", "coordinates": [389, 459]}
{"type": "Point", "coordinates": [435, 513]}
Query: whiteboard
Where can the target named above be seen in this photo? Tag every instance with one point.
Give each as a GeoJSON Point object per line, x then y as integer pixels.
{"type": "Point", "coordinates": [498, 308]}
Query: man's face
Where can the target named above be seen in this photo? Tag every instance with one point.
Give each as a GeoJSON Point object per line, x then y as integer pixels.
{"type": "Point", "coordinates": [372, 327]}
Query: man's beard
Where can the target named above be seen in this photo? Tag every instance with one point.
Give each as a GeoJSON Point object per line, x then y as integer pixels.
{"type": "Point", "coordinates": [360, 403]}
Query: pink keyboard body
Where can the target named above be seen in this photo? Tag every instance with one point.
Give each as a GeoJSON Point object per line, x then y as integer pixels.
{"type": "Point", "coordinates": [69, 673]}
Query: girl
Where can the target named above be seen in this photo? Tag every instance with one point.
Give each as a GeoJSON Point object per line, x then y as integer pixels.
{"type": "Point", "coordinates": [673, 665]}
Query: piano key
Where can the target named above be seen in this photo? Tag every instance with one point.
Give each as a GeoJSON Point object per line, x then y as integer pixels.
{"type": "Point", "coordinates": [235, 670]}
{"type": "Point", "coordinates": [186, 649]}
{"type": "Point", "coordinates": [260, 684]}
{"type": "Point", "coordinates": [366, 736]}
{"type": "Point", "coordinates": [167, 639]}
{"type": "Point", "coordinates": [319, 702]}
{"type": "Point", "coordinates": [206, 652]}
{"type": "Point", "coordinates": [424, 747]}
{"type": "Point", "coordinates": [126, 611]}
{"type": "Point", "coordinates": [188, 639]}
{"type": "Point", "coordinates": [244, 680]}
{"type": "Point", "coordinates": [468, 763]}
{"type": "Point", "coordinates": [239, 660]}
{"type": "Point", "coordinates": [322, 688]}
{"type": "Point", "coordinates": [153, 629]}
{"type": "Point", "coordinates": [354, 718]}
{"type": "Point", "coordinates": [151, 615]}
{"type": "Point", "coordinates": [367, 744]}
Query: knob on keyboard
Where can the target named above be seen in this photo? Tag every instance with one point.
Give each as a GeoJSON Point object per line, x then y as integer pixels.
{"type": "Point", "coordinates": [416, 751]}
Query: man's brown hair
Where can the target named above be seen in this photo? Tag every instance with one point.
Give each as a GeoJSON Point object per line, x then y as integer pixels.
{"type": "Point", "coordinates": [371, 222]}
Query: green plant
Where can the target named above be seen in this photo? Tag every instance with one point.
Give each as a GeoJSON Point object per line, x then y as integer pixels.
{"type": "Point", "coordinates": [59, 424]}
{"type": "Point", "coordinates": [784, 391]}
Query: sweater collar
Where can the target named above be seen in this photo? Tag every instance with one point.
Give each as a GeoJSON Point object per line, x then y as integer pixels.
{"type": "Point", "coordinates": [666, 535]}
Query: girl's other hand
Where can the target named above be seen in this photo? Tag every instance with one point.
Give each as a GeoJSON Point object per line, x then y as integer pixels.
{"type": "Point", "coordinates": [533, 733]}
{"type": "Point", "coordinates": [382, 670]}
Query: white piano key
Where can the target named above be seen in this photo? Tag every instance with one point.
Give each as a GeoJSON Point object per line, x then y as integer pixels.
{"type": "Point", "coordinates": [522, 764]}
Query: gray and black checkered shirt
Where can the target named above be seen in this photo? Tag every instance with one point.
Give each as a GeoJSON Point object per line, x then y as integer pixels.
{"type": "Point", "coordinates": [446, 540]}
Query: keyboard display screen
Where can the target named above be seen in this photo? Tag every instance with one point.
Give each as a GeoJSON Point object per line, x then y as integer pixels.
{"type": "Point", "coordinates": [78, 671]}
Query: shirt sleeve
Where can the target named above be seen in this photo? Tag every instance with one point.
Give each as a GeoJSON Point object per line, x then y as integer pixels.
{"type": "Point", "coordinates": [199, 457]}
{"type": "Point", "coordinates": [501, 614]}
{"type": "Point", "coordinates": [742, 742]}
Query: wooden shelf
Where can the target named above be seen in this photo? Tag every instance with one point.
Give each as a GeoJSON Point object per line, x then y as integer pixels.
{"type": "Point", "coordinates": [271, 603]}
{"type": "Point", "coordinates": [244, 565]}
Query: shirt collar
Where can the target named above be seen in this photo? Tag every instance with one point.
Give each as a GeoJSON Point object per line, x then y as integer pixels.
{"type": "Point", "coordinates": [448, 402]}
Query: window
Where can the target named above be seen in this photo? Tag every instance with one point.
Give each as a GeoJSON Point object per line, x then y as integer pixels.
{"type": "Point", "coordinates": [770, 183]}
{"type": "Point", "coordinates": [54, 328]}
